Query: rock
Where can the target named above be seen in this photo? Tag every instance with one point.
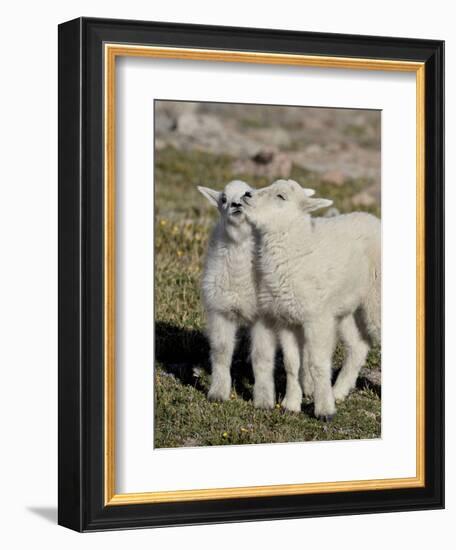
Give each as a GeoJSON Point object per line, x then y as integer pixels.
{"type": "Point", "coordinates": [359, 121]}
{"type": "Point", "coordinates": [283, 166]}
{"type": "Point", "coordinates": [311, 122]}
{"type": "Point", "coordinates": [265, 163]}
{"type": "Point", "coordinates": [160, 144]}
{"type": "Point", "coordinates": [370, 378]}
{"type": "Point", "coordinates": [275, 137]}
{"type": "Point", "coordinates": [313, 149]}
{"type": "Point", "coordinates": [363, 199]}
{"type": "Point", "coordinates": [336, 177]}
{"type": "Point", "coordinates": [375, 191]}
{"type": "Point", "coordinates": [190, 124]}
{"type": "Point", "coordinates": [175, 109]}
{"type": "Point", "coordinates": [333, 147]}
{"type": "Point", "coordinates": [164, 122]}
{"type": "Point", "coordinates": [264, 156]}
{"type": "Point", "coordinates": [190, 442]}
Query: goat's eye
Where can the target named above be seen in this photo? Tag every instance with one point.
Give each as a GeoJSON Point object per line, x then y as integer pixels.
{"type": "Point", "coordinates": [281, 197]}
{"type": "Point", "coordinates": [223, 199]}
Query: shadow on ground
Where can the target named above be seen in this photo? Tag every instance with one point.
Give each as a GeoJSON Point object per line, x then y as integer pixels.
{"type": "Point", "coordinates": [184, 353]}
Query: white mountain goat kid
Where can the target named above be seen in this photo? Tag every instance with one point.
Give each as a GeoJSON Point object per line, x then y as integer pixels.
{"type": "Point", "coordinates": [315, 275]}
{"type": "Point", "coordinates": [229, 298]}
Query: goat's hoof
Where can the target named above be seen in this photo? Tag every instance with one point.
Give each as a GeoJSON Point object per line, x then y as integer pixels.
{"type": "Point", "coordinates": [326, 417]}
{"type": "Point", "coordinates": [217, 399]}
{"type": "Point", "coordinates": [340, 394]}
{"type": "Point", "coordinates": [291, 405]}
{"type": "Point", "coordinates": [217, 395]}
{"type": "Point", "coordinates": [263, 403]}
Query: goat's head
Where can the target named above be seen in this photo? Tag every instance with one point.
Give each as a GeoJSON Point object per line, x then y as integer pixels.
{"type": "Point", "coordinates": [277, 206]}
{"type": "Point", "coordinates": [229, 201]}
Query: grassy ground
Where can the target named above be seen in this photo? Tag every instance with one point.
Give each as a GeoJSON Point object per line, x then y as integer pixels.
{"type": "Point", "coordinates": [183, 415]}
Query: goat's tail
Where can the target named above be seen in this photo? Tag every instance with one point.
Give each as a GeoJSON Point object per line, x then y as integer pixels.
{"type": "Point", "coordinates": [371, 314]}
{"type": "Point", "coordinates": [371, 309]}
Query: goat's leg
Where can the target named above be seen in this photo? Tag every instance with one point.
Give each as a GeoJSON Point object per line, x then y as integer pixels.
{"type": "Point", "coordinates": [320, 341]}
{"type": "Point", "coordinates": [263, 350]}
{"type": "Point", "coordinates": [356, 353]}
{"type": "Point", "coordinates": [222, 333]}
{"type": "Point", "coordinates": [305, 376]}
{"type": "Point", "coordinates": [289, 340]}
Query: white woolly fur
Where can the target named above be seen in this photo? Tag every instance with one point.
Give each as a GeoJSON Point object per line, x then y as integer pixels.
{"type": "Point", "coordinates": [317, 278]}
{"type": "Point", "coordinates": [230, 300]}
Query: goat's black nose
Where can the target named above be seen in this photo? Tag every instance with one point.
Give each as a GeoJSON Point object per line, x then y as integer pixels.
{"type": "Point", "coordinates": [236, 204]}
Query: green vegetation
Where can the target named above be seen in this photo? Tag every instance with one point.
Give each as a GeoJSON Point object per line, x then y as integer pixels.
{"type": "Point", "coordinates": [183, 415]}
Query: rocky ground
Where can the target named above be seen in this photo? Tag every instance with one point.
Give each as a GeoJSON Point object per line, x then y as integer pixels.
{"type": "Point", "coordinates": [336, 145]}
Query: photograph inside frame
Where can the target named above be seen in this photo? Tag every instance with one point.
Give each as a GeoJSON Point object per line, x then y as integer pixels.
{"type": "Point", "coordinates": [267, 274]}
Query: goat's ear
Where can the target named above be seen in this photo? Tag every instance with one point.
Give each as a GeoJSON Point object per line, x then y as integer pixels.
{"type": "Point", "coordinates": [307, 192]}
{"type": "Point", "coordinates": [211, 195]}
{"type": "Point", "coordinates": [309, 205]}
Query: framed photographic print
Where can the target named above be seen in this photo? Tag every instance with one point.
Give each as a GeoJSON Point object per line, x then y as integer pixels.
{"type": "Point", "coordinates": [250, 274]}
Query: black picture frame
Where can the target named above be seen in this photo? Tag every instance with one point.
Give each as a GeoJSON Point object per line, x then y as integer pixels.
{"type": "Point", "coordinates": [81, 471]}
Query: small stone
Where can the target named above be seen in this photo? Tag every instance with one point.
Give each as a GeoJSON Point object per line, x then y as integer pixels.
{"type": "Point", "coordinates": [279, 166]}
{"type": "Point", "coordinates": [190, 442]}
{"type": "Point", "coordinates": [336, 177]}
{"type": "Point", "coordinates": [164, 123]}
{"type": "Point", "coordinates": [371, 377]}
{"type": "Point", "coordinates": [264, 156]}
{"type": "Point", "coordinates": [363, 199]}
{"type": "Point", "coordinates": [333, 147]}
{"type": "Point", "coordinates": [313, 149]}
{"type": "Point", "coordinates": [190, 124]}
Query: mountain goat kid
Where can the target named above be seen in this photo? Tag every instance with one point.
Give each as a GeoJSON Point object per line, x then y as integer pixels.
{"type": "Point", "coordinates": [316, 276]}
{"type": "Point", "coordinates": [230, 300]}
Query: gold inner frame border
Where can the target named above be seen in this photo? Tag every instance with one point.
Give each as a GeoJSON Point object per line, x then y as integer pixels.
{"type": "Point", "coordinates": [111, 52]}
